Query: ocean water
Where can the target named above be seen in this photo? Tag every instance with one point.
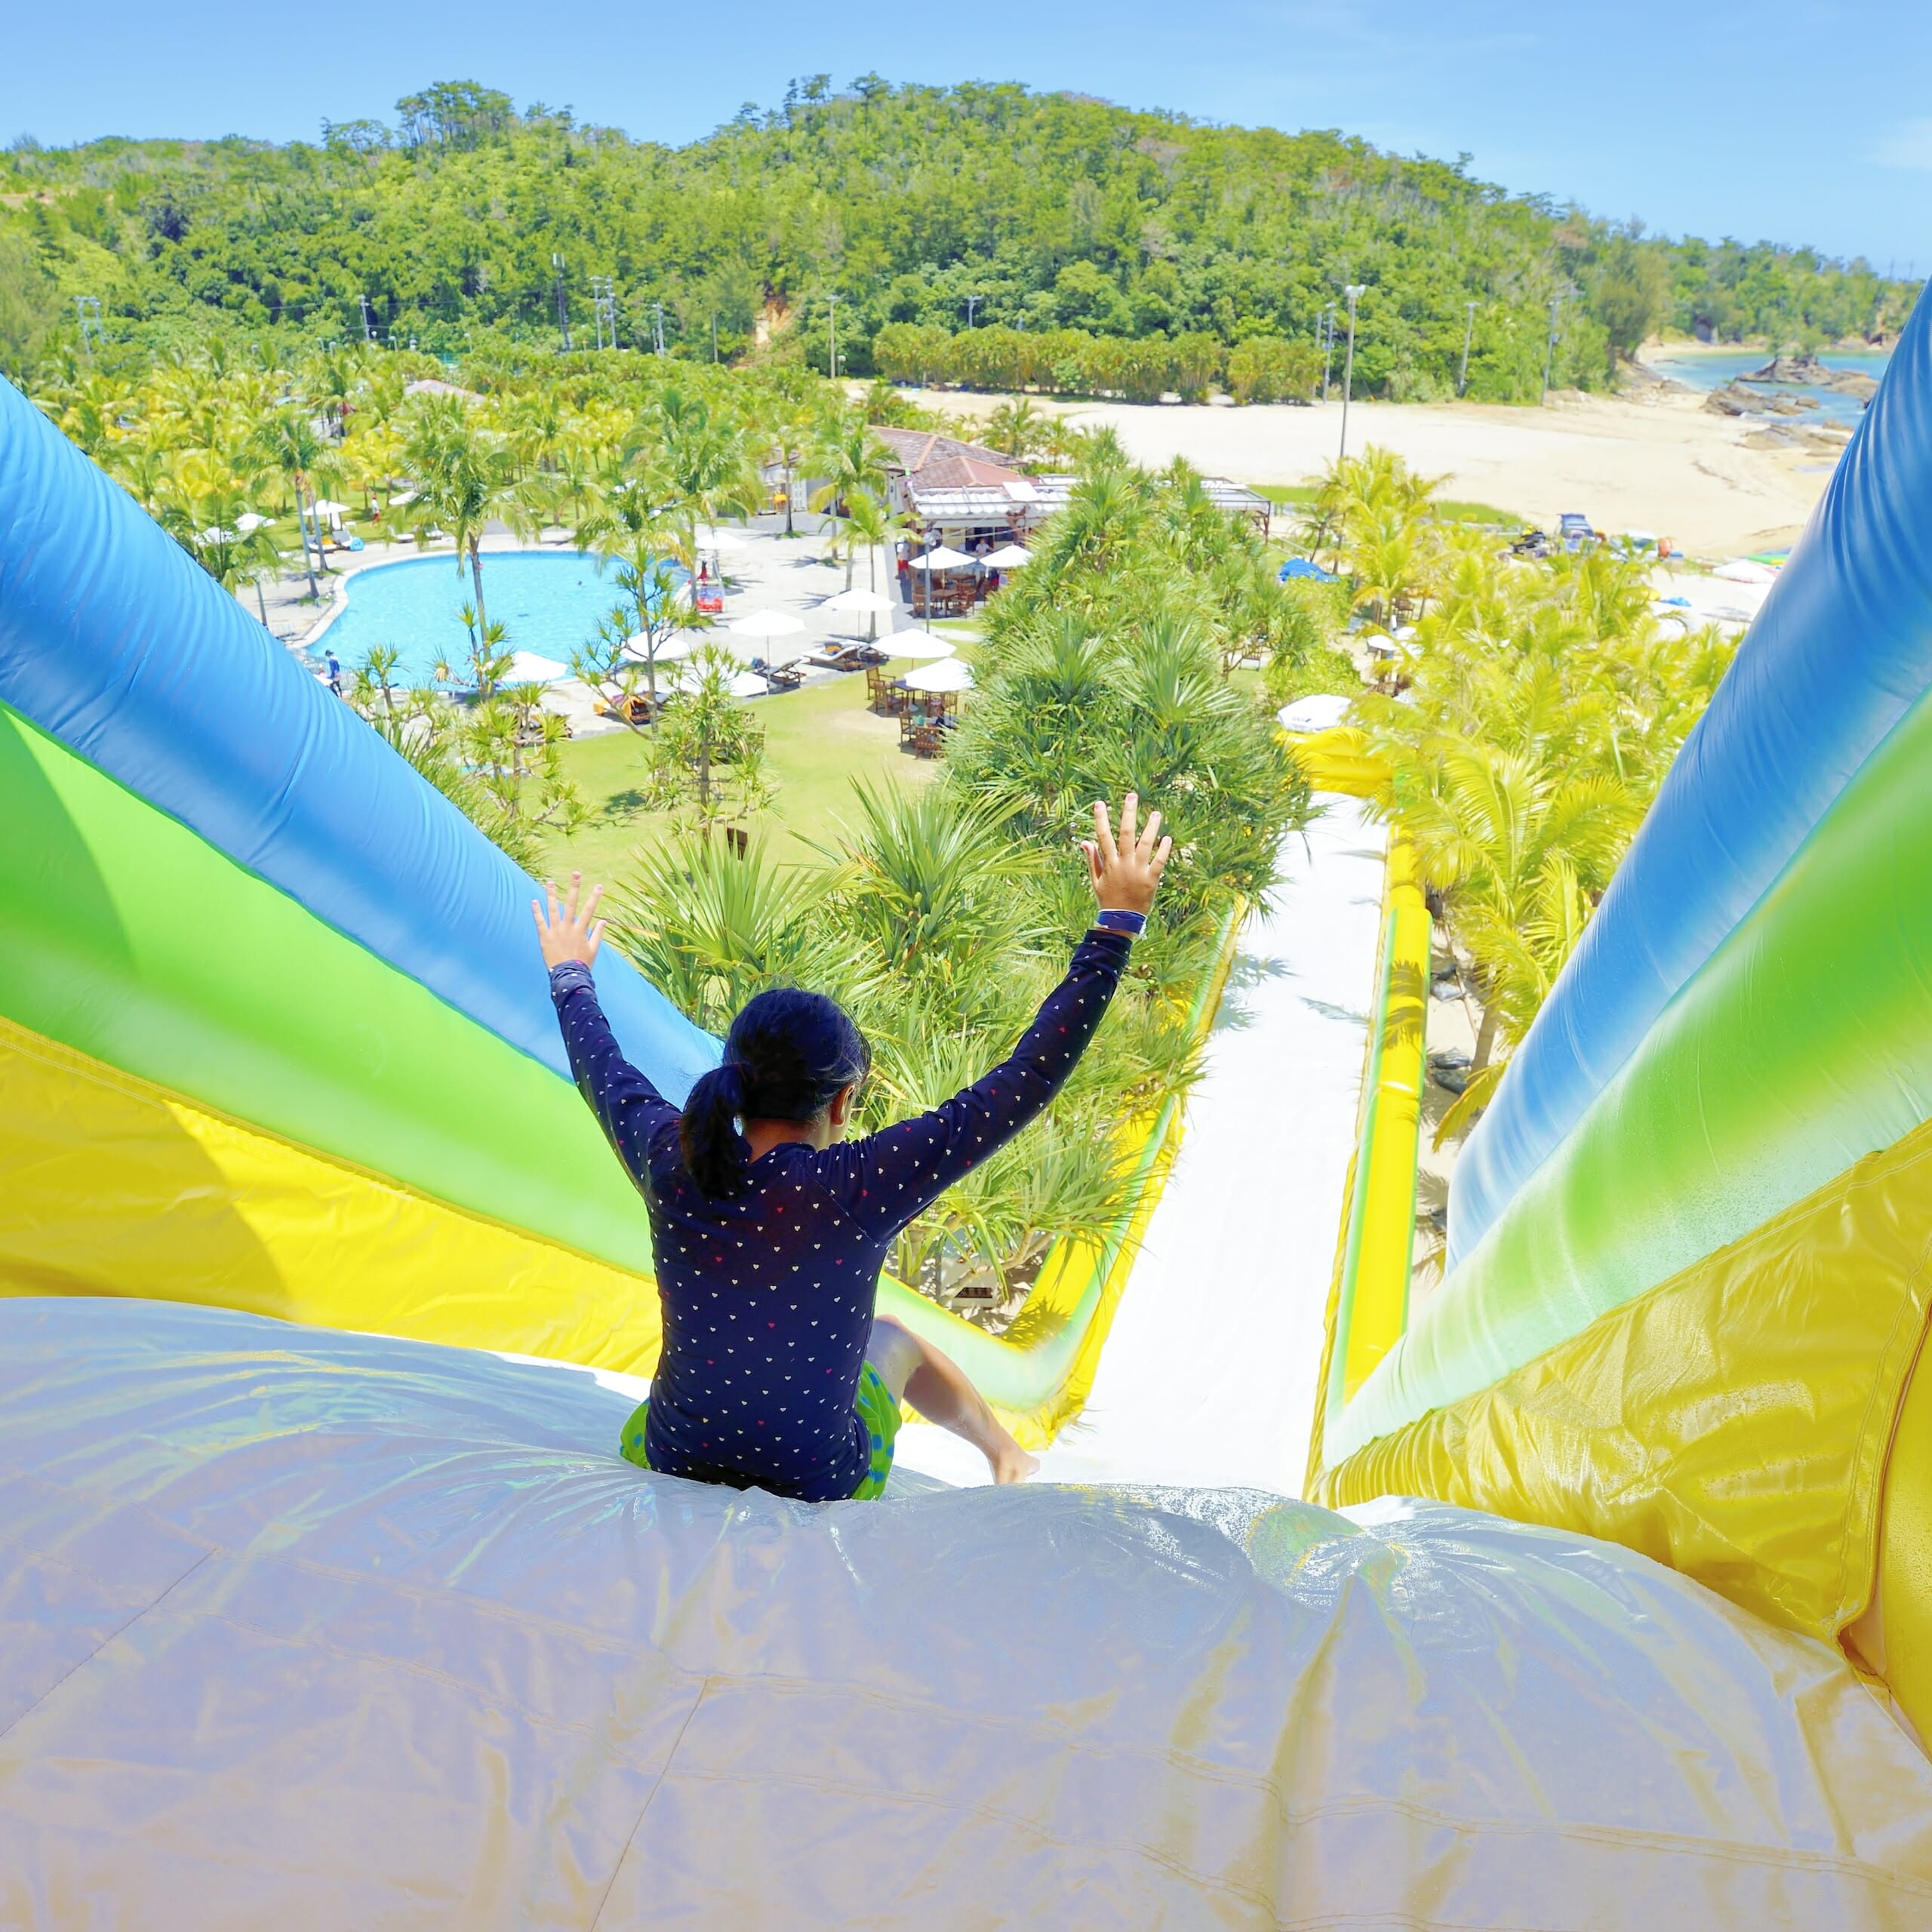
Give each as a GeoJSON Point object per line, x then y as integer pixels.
{"type": "Point", "coordinates": [1709, 372]}
{"type": "Point", "coordinates": [549, 604]}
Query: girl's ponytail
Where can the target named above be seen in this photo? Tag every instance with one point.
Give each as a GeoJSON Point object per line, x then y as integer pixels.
{"type": "Point", "coordinates": [788, 1054]}
{"type": "Point", "coordinates": [716, 1155]}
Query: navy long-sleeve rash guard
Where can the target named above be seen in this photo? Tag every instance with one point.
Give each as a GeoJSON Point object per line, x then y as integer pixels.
{"type": "Point", "coordinates": [768, 1296]}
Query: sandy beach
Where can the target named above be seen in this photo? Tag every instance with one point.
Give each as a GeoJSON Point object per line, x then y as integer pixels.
{"type": "Point", "coordinates": [1659, 462]}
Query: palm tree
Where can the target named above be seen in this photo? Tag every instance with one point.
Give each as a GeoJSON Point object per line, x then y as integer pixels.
{"type": "Point", "coordinates": [703, 455]}
{"type": "Point", "coordinates": [1019, 429]}
{"type": "Point", "coordinates": [787, 426]}
{"type": "Point", "coordinates": [1508, 840]}
{"type": "Point", "coordinates": [207, 526]}
{"type": "Point", "coordinates": [869, 523]}
{"type": "Point", "coordinates": [286, 442]}
{"type": "Point", "coordinates": [850, 458]}
{"type": "Point", "coordinates": [710, 928]}
{"type": "Point", "coordinates": [639, 526]}
{"type": "Point", "coordinates": [465, 478]}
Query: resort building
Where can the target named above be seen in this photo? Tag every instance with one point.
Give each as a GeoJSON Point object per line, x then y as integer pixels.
{"type": "Point", "coordinates": [964, 496]}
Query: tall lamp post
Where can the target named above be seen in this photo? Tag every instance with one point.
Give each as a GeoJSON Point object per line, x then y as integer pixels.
{"type": "Point", "coordinates": [832, 335]}
{"type": "Point", "coordinates": [1327, 332]}
{"type": "Point", "coordinates": [1354, 292]}
{"type": "Point", "coordinates": [1468, 335]}
{"type": "Point", "coordinates": [563, 312]}
{"type": "Point", "coordinates": [1549, 350]}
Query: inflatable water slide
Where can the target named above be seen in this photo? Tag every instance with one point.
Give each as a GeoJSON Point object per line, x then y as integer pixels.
{"type": "Point", "coordinates": [326, 1600]}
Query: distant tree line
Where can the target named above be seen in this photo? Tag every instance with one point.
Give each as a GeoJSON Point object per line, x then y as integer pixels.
{"type": "Point", "coordinates": [1130, 245]}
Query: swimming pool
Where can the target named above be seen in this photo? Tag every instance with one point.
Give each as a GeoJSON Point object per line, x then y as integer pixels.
{"type": "Point", "coordinates": [549, 604]}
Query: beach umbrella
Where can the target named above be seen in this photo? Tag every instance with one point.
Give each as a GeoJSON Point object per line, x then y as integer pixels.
{"type": "Point", "coordinates": [941, 559]}
{"type": "Point", "coordinates": [860, 600]}
{"type": "Point", "coordinates": [758, 633]}
{"type": "Point", "coordinates": [920, 645]}
{"type": "Point", "coordinates": [763, 624]}
{"type": "Point", "coordinates": [527, 668]}
{"type": "Point", "coordinates": [950, 676]}
{"type": "Point", "coordinates": [712, 536]}
{"type": "Point", "coordinates": [248, 520]}
{"type": "Point", "coordinates": [667, 653]}
{"type": "Point", "coordinates": [1009, 557]}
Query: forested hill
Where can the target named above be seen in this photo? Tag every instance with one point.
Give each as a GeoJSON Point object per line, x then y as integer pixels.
{"type": "Point", "coordinates": [934, 209]}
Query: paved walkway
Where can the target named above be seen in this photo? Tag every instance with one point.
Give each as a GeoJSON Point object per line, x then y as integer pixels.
{"type": "Point", "coordinates": [1208, 1377]}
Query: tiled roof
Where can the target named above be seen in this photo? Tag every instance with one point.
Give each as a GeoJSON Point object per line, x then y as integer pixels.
{"type": "Point", "coordinates": [914, 450]}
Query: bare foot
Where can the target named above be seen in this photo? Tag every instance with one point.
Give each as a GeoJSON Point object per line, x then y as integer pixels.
{"type": "Point", "coordinates": [1013, 1464]}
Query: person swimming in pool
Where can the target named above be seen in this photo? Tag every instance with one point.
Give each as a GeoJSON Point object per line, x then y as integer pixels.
{"type": "Point", "coordinates": [770, 1228]}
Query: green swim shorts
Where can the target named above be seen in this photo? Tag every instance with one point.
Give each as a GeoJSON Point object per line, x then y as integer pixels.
{"type": "Point", "coordinates": [876, 1410]}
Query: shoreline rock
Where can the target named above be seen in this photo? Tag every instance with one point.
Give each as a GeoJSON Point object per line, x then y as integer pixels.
{"type": "Point", "coordinates": [1735, 399]}
{"type": "Point", "coordinates": [1806, 370]}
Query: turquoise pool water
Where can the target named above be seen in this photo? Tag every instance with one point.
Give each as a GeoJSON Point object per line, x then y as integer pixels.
{"type": "Point", "coordinates": [550, 605]}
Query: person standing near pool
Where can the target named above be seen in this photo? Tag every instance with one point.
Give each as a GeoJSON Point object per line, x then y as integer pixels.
{"type": "Point", "coordinates": [770, 1229]}
{"type": "Point", "coordinates": [334, 672]}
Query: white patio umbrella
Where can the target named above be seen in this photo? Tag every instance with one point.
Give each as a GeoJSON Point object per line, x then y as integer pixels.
{"type": "Point", "coordinates": [714, 536]}
{"type": "Point", "coordinates": [942, 559]}
{"type": "Point", "coordinates": [858, 599]}
{"type": "Point", "coordinates": [766, 629]}
{"type": "Point", "coordinates": [248, 520]}
{"type": "Point", "coordinates": [1009, 557]}
{"type": "Point", "coordinates": [920, 645]}
{"type": "Point", "coordinates": [527, 668]}
{"type": "Point", "coordinates": [763, 624]}
{"type": "Point", "coordinates": [950, 676]}
{"type": "Point", "coordinates": [669, 652]}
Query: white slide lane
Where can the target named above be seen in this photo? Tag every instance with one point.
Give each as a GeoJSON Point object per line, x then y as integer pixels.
{"type": "Point", "coordinates": [1207, 1379]}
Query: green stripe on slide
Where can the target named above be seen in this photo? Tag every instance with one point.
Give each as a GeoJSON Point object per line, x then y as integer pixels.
{"type": "Point", "coordinates": [1803, 1043]}
{"type": "Point", "coordinates": [129, 938]}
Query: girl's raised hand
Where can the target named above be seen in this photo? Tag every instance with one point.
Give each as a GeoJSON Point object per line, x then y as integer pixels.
{"type": "Point", "coordinates": [568, 933]}
{"type": "Point", "coordinates": [1125, 873]}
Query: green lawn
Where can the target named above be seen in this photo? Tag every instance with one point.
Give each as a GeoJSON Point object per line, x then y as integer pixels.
{"type": "Point", "coordinates": [817, 740]}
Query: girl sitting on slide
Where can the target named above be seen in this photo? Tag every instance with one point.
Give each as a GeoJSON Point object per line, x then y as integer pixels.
{"type": "Point", "coordinates": [770, 1228]}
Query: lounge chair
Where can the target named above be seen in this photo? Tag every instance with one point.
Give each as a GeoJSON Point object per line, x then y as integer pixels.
{"type": "Point", "coordinates": [836, 657]}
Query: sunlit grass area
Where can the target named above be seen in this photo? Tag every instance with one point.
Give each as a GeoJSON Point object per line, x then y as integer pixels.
{"type": "Point", "coordinates": [817, 740]}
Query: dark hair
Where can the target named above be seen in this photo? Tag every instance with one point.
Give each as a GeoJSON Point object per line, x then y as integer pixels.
{"type": "Point", "coordinates": [787, 1053]}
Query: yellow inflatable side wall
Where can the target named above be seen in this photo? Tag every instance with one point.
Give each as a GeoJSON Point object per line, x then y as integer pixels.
{"type": "Point", "coordinates": [1746, 1423]}
{"type": "Point", "coordinates": [1755, 1422]}
{"type": "Point", "coordinates": [136, 1191]}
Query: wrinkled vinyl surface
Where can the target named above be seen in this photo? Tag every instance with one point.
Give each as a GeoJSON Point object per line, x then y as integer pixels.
{"type": "Point", "coordinates": [306, 1630]}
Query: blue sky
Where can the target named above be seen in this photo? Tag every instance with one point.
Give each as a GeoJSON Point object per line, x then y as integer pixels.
{"type": "Point", "coordinates": [1808, 123]}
